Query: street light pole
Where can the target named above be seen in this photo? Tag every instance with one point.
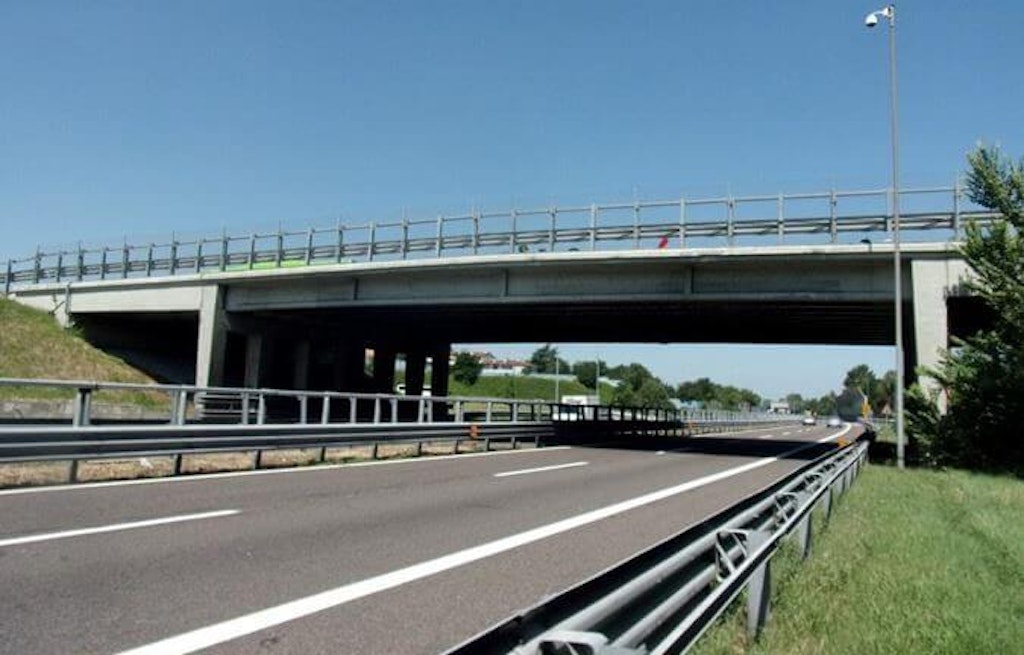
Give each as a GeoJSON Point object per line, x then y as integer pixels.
{"type": "Point", "coordinates": [889, 13]}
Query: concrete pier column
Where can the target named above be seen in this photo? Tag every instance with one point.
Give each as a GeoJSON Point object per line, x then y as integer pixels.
{"type": "Point", "coordinates": [349, 367]}
{"type": "Point", "coordinates": [439, 370]}
{"type": "Point", "coordinates": [253, 360]}
{"type": "Point", "coordinates": [415, 372]}
{"type": "Point", "coordinates": [213, 336]}
{"type": "Point", "coordinates": [932, 282]}
{"type": "Point", "coordinates": [300, 365]}
{"type": "Point", "coordinates": [383, 369]}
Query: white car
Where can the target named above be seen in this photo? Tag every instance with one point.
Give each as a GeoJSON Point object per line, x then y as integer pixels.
{"type": "Point", "coordinates": [809, 420]}
{"type": "Point", "coordinates": [835, 422]}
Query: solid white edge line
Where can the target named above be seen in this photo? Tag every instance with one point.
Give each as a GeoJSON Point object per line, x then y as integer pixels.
{"type": "Point", "coordinates": [241, 626]}
{"type": "Point", "coordinates": [117, 527]}
{"type": "Point", "coordinates": [540, 469]}
{"type": "Point", "coordinates": [275, 471]}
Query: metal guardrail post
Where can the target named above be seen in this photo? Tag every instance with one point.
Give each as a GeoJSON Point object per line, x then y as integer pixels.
{"type": "Point", "coordinates": [149, 260]}
{"type": "Point", "coordinates": [252, 251]}
{"type": "Point", "coordinates": [372, 243]}
{"type": "Point", "coordinates": [439, 239]}
{"type": "Point", "coordinates": [759, 588]}
{"type": "Point", "coordinates": [394, 409]}
{"type": "Point", "coordinates": [309, 246]}
{"type": "Point", "coordinates": [245, 408]}
{"type": "Point", "coordinates": [303, 409]}
{"type": "Point", "coordinates": [490, 405]}
{"type": "Point", "coordinates": [261, 411]}
{"type": "Point", "coordinates": [199, 256]}
{"type": "Point", "coordinates": [125, 260]}
{"type": "Point", "coordinates": [173, 263]}
{"type": "Point", "coordinates": [421, 408]}
{"type": "Point", "coordinates": [325, 410]}
{"type": "Point", "coordinates": [223, 251]}
{"type": "Point", "coordinates": [82, 407]}
{"type": "Point", "coordinates": [513, 219]}
{"type": "Point", "coordinates": [339, 242]}
{"type": "Point", "coordinates": [7, 278]}
{"type": "Point", "coordinates": [353, 410]}
{"type": "Point", "coordinates": [376, 410]}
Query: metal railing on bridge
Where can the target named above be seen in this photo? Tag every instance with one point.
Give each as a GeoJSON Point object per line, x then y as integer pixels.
{"type": "Point", "coordinates": [827, 217]}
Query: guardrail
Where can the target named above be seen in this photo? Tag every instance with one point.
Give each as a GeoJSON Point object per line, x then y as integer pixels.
{"type": "Point", "coordinates": [215, 420]}
{"type": "Point", "coordinates": [663, 599]}
{"type": "Point", "coordinates": [676, 223]}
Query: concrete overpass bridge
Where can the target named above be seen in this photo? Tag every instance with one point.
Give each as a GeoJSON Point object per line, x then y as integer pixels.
{"type": "Point", "coordinates": [299, 309]}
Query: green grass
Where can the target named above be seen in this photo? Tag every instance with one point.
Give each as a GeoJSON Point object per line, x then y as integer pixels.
{"type": "Point", "coordinates": [33, 345]}
{"type": "Point", "coordinates": [522, 386]}
{"type": "Point", "coordinates": [915, 561]}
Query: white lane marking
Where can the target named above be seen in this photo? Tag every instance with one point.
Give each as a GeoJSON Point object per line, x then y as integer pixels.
{"type": "Point", "coordinates": [786, 434]}
{"type": "Point", "coordinates": [241, 626]}
{"type": "Point", "coordinates": [66, 534]}
{"type": "Point", "coordinates": [766, 436]}
{"type": "Point", "coordinates": [281, 471]}
{"type": "Point", "coordinates": [540, 469]}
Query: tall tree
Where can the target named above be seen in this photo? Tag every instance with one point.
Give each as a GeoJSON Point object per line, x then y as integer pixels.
{"type": "Point", "coordinates": [545, 360]}
{"type": "Point", "coordinates": [983, 377]}
{"type": "Point", "coordinates": [467, 368]}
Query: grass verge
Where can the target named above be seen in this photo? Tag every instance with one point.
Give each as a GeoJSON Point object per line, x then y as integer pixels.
{"type": "Point", "coordinates": [915, 561]}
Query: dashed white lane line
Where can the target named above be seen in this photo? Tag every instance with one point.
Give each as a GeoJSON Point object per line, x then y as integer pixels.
{"type": "Point", "coordinates": [766, 436]}
{"type": "Point", "coordinates": [540, 469]}
{"type": "Point", "coordinates": [241, 626]}
{"type": "Point", "coordinates": [117, 527]}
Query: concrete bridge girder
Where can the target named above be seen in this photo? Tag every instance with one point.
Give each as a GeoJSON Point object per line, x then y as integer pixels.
{"type": "Point", "coordinates": [324, 317]}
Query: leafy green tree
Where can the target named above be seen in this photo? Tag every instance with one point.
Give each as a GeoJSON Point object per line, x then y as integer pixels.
{"type": "Point", "coordinates": [983, 377]}
{"type": "Point", "coordinates": [546, 360]}
{"type": "Point", "coordinates": [586, 372]}
{"type": "Point", "coordinates": [796, 402]}
{"type": "Point", "coordinates": [466, 368]}
{"type": "Point", "coordinates": [701, 390]}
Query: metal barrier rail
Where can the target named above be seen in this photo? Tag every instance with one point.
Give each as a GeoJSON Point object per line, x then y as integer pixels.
{"type": "Point", "coordinates": [637, 224]}
{"type": "Point", "coordinates": [74, 444]}
{"type": "Point", "coordinates": [663, 599]}
{"type": "Point", "coordinates": [250, 406]}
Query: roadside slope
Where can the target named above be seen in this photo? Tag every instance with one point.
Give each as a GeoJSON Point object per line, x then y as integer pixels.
{"type": "Point", "coordinates": [33, 345]}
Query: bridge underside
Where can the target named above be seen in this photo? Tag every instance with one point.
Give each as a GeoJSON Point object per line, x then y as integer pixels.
{"type": "Point", "coordinates": [862, 323]}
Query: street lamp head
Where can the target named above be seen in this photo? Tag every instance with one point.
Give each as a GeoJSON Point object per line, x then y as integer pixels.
{"type": "Point", "coordinates": [888, 12]}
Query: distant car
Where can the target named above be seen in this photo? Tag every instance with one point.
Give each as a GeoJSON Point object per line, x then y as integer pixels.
{"type": "Point", "coordinates": [810, 420]}
{"type": "Point", "coordinates": [834, 422]}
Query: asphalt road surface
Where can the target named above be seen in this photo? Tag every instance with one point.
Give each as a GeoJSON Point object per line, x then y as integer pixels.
{"type": "Point", "coordinates": [410, 556]}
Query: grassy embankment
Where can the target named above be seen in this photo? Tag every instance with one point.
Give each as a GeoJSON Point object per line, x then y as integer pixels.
{"type": "Point", "coordinates": [523, 386]}
{"type": "Point", "coordinates": [33, 345]}
{"type": "Point", "coordinates": [915, 561]}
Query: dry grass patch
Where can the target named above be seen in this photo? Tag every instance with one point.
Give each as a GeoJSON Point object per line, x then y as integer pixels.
{"type": "Point", "coordinates": [31, 474]}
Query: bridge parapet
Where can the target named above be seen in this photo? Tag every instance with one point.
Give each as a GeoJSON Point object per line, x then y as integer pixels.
{"type": "Point", "coordinates": [830, 217]}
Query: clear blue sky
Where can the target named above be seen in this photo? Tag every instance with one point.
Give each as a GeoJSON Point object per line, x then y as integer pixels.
{"type": "Point", "coordinates": [141, 117]}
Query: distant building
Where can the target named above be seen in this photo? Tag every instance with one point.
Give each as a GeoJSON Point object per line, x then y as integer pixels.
{"type": "Point", "coordinates": [779, 407]}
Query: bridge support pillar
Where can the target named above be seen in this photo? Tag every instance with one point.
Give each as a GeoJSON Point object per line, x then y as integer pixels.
{"type": "Point", "coordinates": [300, 372]}
{"type": "Point", "coordinates": [439, 370]}
{"type": "Point", "coordinates": [253, 360]}
{"type": "Point", "coordinates": [439, 379]}
{"type": "Point", "coordinates": [415, 372]}
{"type": "Point", "coordinates": [213, 338]}
{"type": "Point", "coordinates": [932, 282]}
{"type": "Point", "coordinates": [383, 369]}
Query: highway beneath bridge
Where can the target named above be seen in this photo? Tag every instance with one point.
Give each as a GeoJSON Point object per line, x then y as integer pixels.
{"type": "Point", "coordinates": [407, 556]}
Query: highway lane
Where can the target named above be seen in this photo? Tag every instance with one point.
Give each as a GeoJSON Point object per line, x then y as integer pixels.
{"type": "Point", "coordinates": [299, 533]}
